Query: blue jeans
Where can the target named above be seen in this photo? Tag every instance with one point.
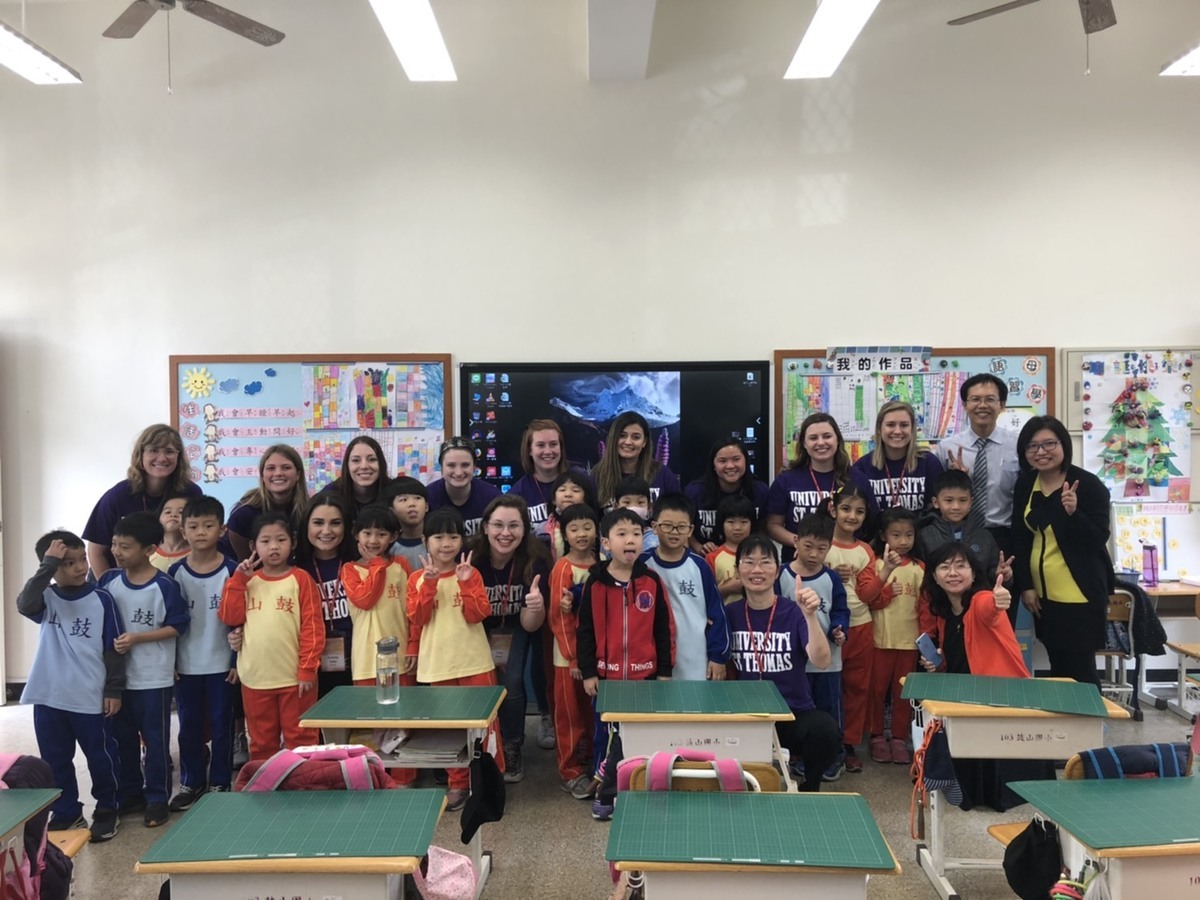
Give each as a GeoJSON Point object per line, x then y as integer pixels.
{"type": "Point", "coordinates": [58, 731]}
{"type": "Point", "coordinates": [512, 708]}
{"type": "Point", "coordinates": [145, 718]}
{"type": "Point", "coordinates": [202, 699]}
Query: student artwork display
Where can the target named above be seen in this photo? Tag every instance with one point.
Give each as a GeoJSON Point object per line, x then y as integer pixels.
{"type": "Point", "coordinates": [1170, 527]}
{"type": "Point", "coordinates": [230, 409]}
{"type": "Point", "coordinates": [1137, 421]}
{"type": "Point", "coordinates": [851, 383]}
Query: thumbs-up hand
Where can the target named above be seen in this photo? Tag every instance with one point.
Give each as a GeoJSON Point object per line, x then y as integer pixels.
{"type": "Point", "coordinates": [1070, 501]}
{"type": "Point", "coordinates": [1000, 592]}
{"type": "Point", "coordinates": [566, 601]}
{"type": "Point", "coordinates": [533, 597]}
{"type": "Point", "coordinates": [809, 600]}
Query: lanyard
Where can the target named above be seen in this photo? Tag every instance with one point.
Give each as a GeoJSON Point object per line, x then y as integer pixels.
{"type": "Point", "coordinates": [507, 591]}
{"type": "Point", "coordinates": [759, 654]}
{"type": "Point", "coordinates": [897, 486]}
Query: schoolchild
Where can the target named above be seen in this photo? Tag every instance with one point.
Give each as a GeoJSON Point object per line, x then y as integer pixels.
{"type": "Point", "coordinates": [952, 523]}
{"type": "Point", "coordinates": [279, 609]}
{"type": "Point", "coordinates": [76, 681]}
{"type": "Point", "coordinates": [624, 633]}
{"type": "Point", "coordinates": [154, 615]}
{"type": "Point", "coordinates": [735, 521]}
{"type": "Point", "coordinates": [174, 546]}
{"type": "Point", "coordinates": [446, 606]}
{"type": "Point", "coordinates": [409, 500]}
{"type": "Point", "coordinates": [572, 710]}
{"type": "Point", "coordinates": [701, 632]}
{"type": "Point", "coordinates": [570, 487]}
{"type": "Point", "coordinates": [207, 682]}
{"type": "Point", "coordinates": [324, 544]}
{"type": "Point", "coordinates": [633, 493]}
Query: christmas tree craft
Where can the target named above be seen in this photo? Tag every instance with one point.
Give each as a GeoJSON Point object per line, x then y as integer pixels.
{"type": "Point", "coordinates": [1137, 447]}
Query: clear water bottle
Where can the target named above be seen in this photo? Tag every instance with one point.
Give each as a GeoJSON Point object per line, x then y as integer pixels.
{"type": "Point", "coordinates": [387, 671]}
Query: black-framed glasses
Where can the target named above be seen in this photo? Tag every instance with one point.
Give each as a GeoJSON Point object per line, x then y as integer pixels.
{"type": "Point", "coordinates": [1038, 446]}
{"type": "Point", "coordinates": [668, 528]}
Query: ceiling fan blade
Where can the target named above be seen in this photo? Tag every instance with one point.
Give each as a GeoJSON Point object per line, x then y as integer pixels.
{"type": "Point", "coordinates": [235, 22]}
{"type": "Point", "coordinates": [1097, 15]}
{"type": "Point", "coordinates": [994, 11]}
{"type": "Point", "coordinates": [130, 22]}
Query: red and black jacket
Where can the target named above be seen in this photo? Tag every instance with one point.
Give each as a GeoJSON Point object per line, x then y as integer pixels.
{"type": "Point", "coordinates": [625, 631]}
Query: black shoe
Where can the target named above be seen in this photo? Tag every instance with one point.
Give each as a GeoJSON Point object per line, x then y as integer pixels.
{"type": "Point", "coordinates": [514, 768]}
{"type": "Point", "coordinates": [131, 805]}
{"type": "Point", "coordinates": [62, 823]}
{"type": "Point", "coordinates": [183, 801]}
{"type": "Point", "coordinates": [156, 814]}
{"type": "Point", "coordinates": [104, 825]}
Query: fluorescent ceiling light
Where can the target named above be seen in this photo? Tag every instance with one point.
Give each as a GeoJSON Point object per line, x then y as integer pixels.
{"type": "Point", "coordinates": [30, 61]}
{"type": "Point", "coordinates": [413, 31]}
{"type": "Point", "coordinates": [830, 35]}
{"type": "Point", "coordinates": [1188, 64]}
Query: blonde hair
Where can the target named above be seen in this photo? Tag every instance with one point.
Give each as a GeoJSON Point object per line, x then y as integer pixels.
{"type": "Point", "coordinates": [153, 437]}
{"type": "Point", "coordinates": [878, 457]}
{"type": "Point", "coordinates": [260, 498]}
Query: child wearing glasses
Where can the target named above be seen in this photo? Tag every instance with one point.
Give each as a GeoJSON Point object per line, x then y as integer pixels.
{"type": "Point", "coordinates": [701, 633]}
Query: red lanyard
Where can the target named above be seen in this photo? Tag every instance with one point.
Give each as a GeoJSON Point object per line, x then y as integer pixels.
{"type": "Point", "coordinates": [895, 487]}
{"type": "Point", "coordinates": [759, 654]}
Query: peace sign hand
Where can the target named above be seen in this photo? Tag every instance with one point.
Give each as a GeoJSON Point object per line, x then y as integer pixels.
{"type": "Point", "coordinates": [249, 564]}
{"type": "Point", "coordinates": [464, 569]}
{"type": "Point", "coordinates": [428, 572]}
{"type": "Point", "coordinates": [956, 462]}
{"type": "Point", "coordinates": [533, 597]}
{"type": "Point", "coordinates": [1004, 567]}
{"type": "Point", "coordinates": [1070, 501]}
{"type": "Point", "coordinates": [1000, 592]}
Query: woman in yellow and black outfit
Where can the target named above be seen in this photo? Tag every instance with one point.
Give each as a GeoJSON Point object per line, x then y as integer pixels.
{"type": "Point", "coordinates": [1060, 537]}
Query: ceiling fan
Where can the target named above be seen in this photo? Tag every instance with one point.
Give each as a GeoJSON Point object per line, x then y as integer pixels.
{"type": "Point", "coordinates": [1097, 14]}
{"type": "Point", "coordinates": [139, 12]}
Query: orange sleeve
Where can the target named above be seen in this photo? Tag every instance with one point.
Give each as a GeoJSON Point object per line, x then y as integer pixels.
{"type": "Point", "coordinates": [312, 627]}
{"type": "Point", "coordinates": [364, 591]}
{"type": "Point", "coordinates": [233, 600]}
{"type": "Point", "coordinates": [562, 624]}
{"type": "Point", "coordinates": [926, 620]}
{"type": "Point", "coordinates": [868, 584]}
{"type": "Point", "coordinates": [711, 559]}
{"type": "Point", "coordinates": [476, 605]}
{"type": "Point", "coordinates": [419, 600]}
{"type": "Point", "coordinates": [888, 593]}
{"type": "Point", "coordinates": [402, 562]}
{"type": "Point", "coordinates": [988, 614]}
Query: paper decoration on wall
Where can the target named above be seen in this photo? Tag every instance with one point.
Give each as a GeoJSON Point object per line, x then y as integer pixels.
{"type": "Point", "coordinates": [1137, 423]}
{"type": "Point", "coordinates": [1169, 526]}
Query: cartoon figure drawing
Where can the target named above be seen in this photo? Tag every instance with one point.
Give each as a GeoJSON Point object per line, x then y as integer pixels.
{"type": "Point", "coordinates": [210, 474]}
{"type": "Point", "coordinates": [210, 452]}
{"type": "Point", "coordinates": [210, 413]}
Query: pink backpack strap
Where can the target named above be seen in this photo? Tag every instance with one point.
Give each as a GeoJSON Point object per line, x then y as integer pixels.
{"type": "Point", "coordinates": [357, 773]}
{"type": "Point", "coordinates": [625, 770]}
{"type": "Point", "coordinates": [7, 760]}
{"type": "Point", "coordinates": [662, 765]}
{"type": "Point", "coordinates": [692, 754]}
{"type": "Point", "coordinates": [272, 773]}
{"type": "Point", "coordinates": [729, 774]}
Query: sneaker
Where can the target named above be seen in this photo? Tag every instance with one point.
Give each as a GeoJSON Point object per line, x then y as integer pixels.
{"type": "Point", "coordinates": [602, 811]}
{"type": "Point", "coordinates": [62, 823]}
{"type": "Point", "coordinates": [834, 772]}
{"type": "Point", "coordinates": [156, 814]}
{"type": "Point", "coordinates": [104, 825]}
{"type": "Point", "coordinates": [853, 764]}
{"type": "Point", "coordinates": [546, 737]}
{"type": "Point", "coordinates": [881, 750]}
{"type": "Point", "coordinates": [796, 767]}
{"type": "Point", "coordinates": [131, 805]}
{"type": "Point", "coordinates": [455, 800]}
{"type": "Point", "coordinates": [900, 754]}
{"type": "Point", "coordinates": [218, 790]}
{"type": "Point", "coordinates": [581, 787]}
{"type": "Point", "coordinates": [241, 750]}
{"type": "Point", "coordinates": [514, 770]}
{"type": "Point", "coordinates": [183, 801]}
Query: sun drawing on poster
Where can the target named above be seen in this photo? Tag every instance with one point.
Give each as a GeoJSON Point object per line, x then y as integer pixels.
{"type": "Point", "coordinates": [198, 383]}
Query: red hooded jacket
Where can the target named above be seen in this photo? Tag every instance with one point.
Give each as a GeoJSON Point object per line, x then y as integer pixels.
{"type": "Point", "coordinates": [626, 631]}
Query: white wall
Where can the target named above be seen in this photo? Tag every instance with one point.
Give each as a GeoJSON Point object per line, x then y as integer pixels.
{"type": "Point", "coordinates": [953, 187]}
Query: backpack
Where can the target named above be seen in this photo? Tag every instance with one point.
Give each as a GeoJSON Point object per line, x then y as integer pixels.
{"type": "Point", "coordinates": [44, 871]}
{"type": "Point", "coordinates": [331, 767]}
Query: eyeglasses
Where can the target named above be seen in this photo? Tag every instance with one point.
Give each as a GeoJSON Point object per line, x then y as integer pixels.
{"type": "Point", "coordinates": [668, 528]}
{"type": "Point", "coordinates": [983, 401]}
{"type": "Point", "coordinates": [756, 565]}
{"type": "Point", "coordinates": [954, 565]}
{"type": "Point", "coordinates": [1038, 446]}
{"type": "Point", "coordinates": [506, 526]}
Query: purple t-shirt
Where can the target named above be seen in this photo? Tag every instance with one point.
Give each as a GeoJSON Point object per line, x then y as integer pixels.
{"type": "Point", "coordinates": [779, 657]}
{"type": "Point", "coordinates": [116, 503]}
{"type": "Point", "coordinates": [895, 485]}
{"type": "Point", "coordinates": [506, 592]}
{"type": "Point", "coordinates": [798, 492]}
{"type": "Point", "coordinates": [539, 497]}
{"type": "Point", "coordinates": [664, 482]}
{"type": "Point", "coordinates": [706, 514]}
{"type": "Point", "coordinates": [482, 493]}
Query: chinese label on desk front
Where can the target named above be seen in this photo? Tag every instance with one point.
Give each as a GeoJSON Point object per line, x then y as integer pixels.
{"type": "Point", "coordinates": [1031, 737]}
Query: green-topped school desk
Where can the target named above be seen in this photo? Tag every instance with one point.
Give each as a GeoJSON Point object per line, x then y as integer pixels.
{"type": "Point", "coordinates": [982, 720]}
{"type": "Point", "coordinates": [734, 719]}
{"type": "Point", "coordinates": [467, 709]}
{"type": "Point", "coordinates": [1145, 833]}
{"type": "Point", "coordinates": [355, 845]}
{"type": "Point", "coordinates": [698, 845]}
{"type": "Point", "coordinates": [18, 806]}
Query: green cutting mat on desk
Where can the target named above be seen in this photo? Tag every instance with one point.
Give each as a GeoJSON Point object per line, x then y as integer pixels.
{"type": "Point", "coordinates": [431, 704]}
{"type": "Point", "coordinates": [1067, 697]}
{"type": "Point", "coordinates": [829, 830]}
{"type": "Point", "coordinates": [690, 697]}
{"type": "Point", "coordinates": [21, 804]}
{"type": "Point", "coordinates": [308, 824]}
{"type": "Point", "coordinates": [1109, 813]}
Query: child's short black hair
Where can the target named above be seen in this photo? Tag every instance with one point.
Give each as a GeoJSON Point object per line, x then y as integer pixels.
{"type": "Point", "coordinates": [575, 476]}
{"type": "Point", "coordinates": [671, 501]}
{"type": "Point", "coordinates": [69, 538]}
{"type": "Point", "coordinates": [204, 505]}
{"type": "Point", "coordinates": [952, 480]}
{"type": "Point", "coordinates": [402, 487]}
{"type": "Point", "coordinates": [575, 512]}
{"type": "Point", "coordinates": [617, 516]}
{"type": "Point", "coordinates": [445, 521]}
{"type": "Point", "coordinates": [270, 518]}
{"type": "Point", "coordinates": [817, 526]}
{"type": "Point", "coordinates": [891, 516]}
{"type": "Point", "coordinates": [736, 506]}
{"type": "Point", "coordinates": [376, 515]}
{"type": "Point", "coordinates": [143, 527]}
{"type": "Point", "coordinates": [631, 486]}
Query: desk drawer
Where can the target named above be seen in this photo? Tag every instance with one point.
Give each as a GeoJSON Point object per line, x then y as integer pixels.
{"type": "Point", "coordinates": [1017, 738]}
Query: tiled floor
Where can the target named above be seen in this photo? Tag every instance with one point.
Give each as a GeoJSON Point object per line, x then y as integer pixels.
{"type": "Point", "coordinates": [548, 846]}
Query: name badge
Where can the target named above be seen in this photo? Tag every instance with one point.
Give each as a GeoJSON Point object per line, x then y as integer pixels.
{"type": "Point", "coordinates": [333, 659]}
{"type": "Point", "coordinates": [501, 644]}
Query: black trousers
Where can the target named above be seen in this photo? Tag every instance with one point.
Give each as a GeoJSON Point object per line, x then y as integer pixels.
{"type": "Point", "coordinates": [814, 738]}
{"type": "Point", "coordinates": [1068, 662]}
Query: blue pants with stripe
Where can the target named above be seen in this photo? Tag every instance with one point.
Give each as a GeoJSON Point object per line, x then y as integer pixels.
{"type": "Point", "coordinates": [204, 699]}
{"type": "Point", "coordinates": [58, 731]}
{"type": "Point", "coordinates": [145, 718]}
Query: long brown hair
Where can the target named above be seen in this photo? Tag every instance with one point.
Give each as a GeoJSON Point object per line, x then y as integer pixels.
{"type": "Point", "coordinates": [607, 471]}
{"type": "Point", "coordinates": [153, 437]}
{"type": "Point", "coordinates": [841, 459]}
{"type": "Point", "coordinates": [529, 552]}
{"type": "Point", "coordinates": [260, 498]}
{"type": "Point", "coordinates": [527, 445]}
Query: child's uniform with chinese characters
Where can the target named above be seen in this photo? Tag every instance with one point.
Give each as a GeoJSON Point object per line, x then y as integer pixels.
{"type": "Point", "coordinates": [701, 632]}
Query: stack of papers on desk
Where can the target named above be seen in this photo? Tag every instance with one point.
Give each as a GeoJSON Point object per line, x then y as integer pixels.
{"type": "Point", "coordinates": [433, 747]}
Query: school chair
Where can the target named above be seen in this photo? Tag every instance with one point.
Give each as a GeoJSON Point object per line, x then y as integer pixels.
{"type": "Point", "coordinates": [1131, 761]}
{"type": "Point", "coordinates": [1119, 652]}
{"type": "Point", "coordinates": [70, 842]}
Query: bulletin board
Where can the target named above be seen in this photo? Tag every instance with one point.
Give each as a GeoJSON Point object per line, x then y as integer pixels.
{"type": "Point", "coordinates": [229, 409]}
{"type": "Point", "coordinates": [851, 383]}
